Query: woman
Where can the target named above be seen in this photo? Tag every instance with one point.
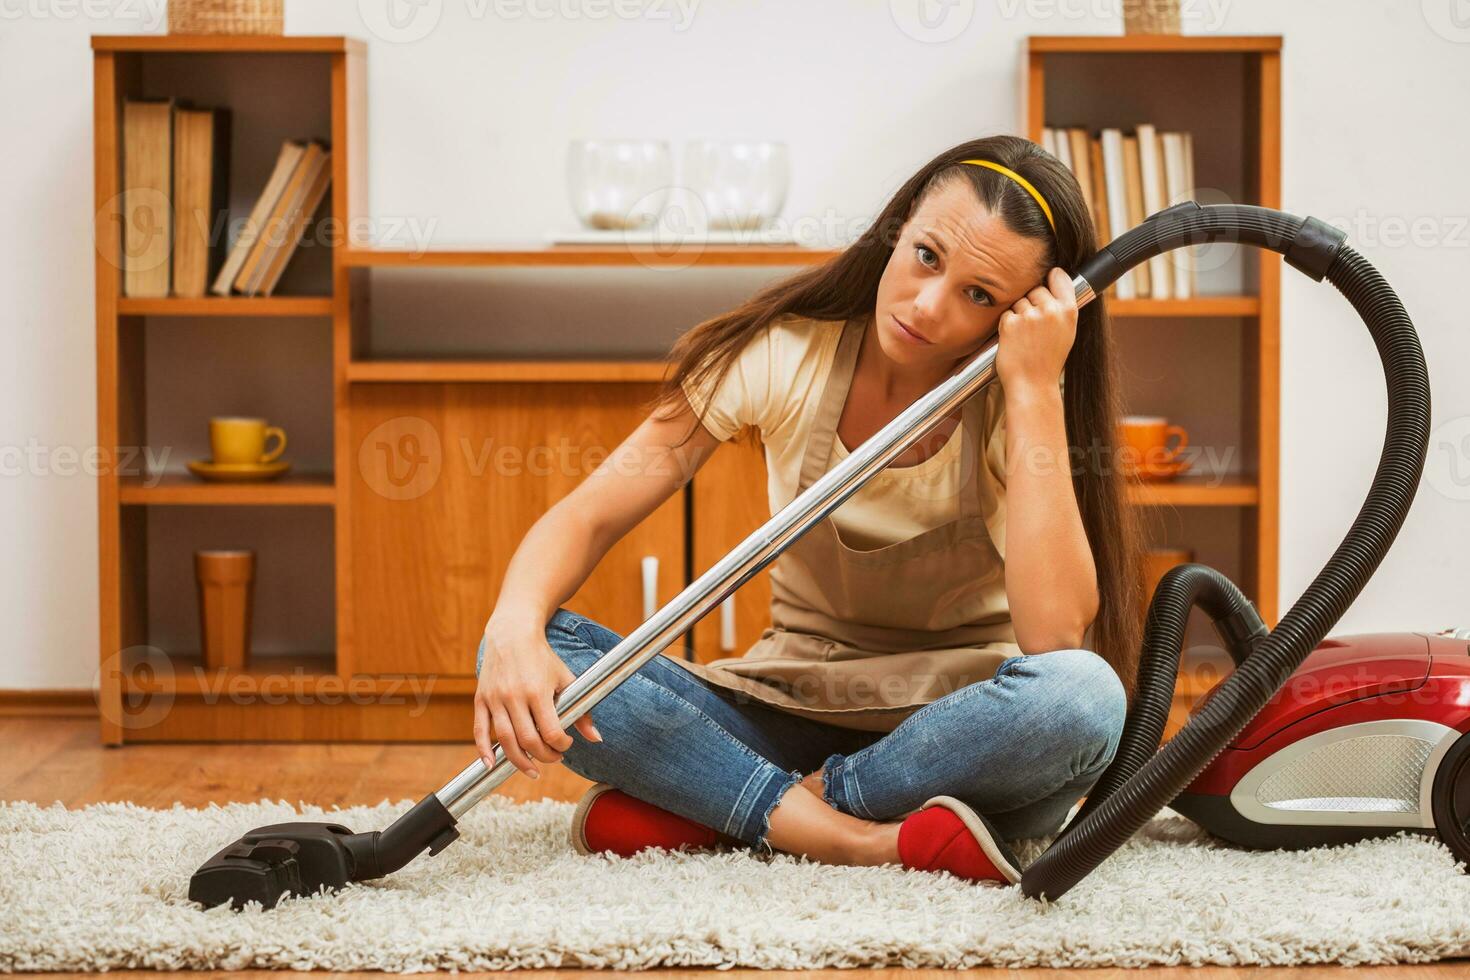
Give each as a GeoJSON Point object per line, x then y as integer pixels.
{"type": "Point", "coordinates": [925, 693]}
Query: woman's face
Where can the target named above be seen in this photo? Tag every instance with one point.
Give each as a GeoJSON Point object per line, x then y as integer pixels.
{"type": "Point", "coordinates": [955, 269]}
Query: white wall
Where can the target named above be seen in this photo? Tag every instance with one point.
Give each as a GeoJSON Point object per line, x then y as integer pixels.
{"type": "Point", "coordinates": [468, 124]}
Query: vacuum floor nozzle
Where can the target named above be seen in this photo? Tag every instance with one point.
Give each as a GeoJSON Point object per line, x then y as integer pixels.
{"type": "Point", "coordinates": [271, 862]}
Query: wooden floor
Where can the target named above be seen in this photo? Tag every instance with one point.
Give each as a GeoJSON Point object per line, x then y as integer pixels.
{"type": "Point", "coordinates": [48, 759]}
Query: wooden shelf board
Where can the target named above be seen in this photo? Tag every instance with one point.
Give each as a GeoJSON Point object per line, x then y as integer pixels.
{"type": "Point", "coordinates": [245, 43]}
{"type": "Point", "coordinates": [1202, 306]}
{"type": "Point", "coordinates": [505, 370]}
{"type": "Point", "coordinates": [226, 306]}
{"type": "Point", "coordinates": [1196, 491]}
{"type": "Point", "coordinates": [185, 488]}
{"type": "Point", "coordinates": [186, 674]}
{"type": "Point", "coordinates": [1153, 43]}
{"type": "Point", "coordinates": [404, 685]}
{"type": "Point", "coordinates": [539, 254]}
{"type": "Point", "coordinates": [1196, 306]}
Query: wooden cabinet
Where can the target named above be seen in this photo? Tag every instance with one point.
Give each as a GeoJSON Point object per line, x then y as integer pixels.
{"type": "Point", "coordinates": [730, 501]}
{"type": "Point", "coordinates": [447, 481]}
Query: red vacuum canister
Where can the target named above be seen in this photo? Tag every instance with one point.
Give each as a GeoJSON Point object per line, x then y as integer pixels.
{"type": "Point", "coordinates": [1367, 738]}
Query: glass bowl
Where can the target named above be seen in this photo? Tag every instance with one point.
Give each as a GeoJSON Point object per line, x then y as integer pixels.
{"type": "Point", "coordinates": [619, 184]}
{"type": "Point", "coordinates": [741, 183]}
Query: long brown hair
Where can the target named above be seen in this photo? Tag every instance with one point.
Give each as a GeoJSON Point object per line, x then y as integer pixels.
{"type": "Point", "coordinates": [847, 286]}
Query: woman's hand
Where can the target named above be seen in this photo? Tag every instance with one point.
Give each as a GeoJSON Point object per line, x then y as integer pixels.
{"type": "Point", "coordinates": [515, 699]}
{"type": "Point", "coordinates": [1036, 334]}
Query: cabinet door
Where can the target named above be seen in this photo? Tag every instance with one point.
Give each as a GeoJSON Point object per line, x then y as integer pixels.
{"type": "Point", "coordinates": [730, 501]}
{"type": "Point", "coordinates": [448, 480]}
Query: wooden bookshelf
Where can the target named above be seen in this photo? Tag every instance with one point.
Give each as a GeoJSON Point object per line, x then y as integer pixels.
{"type": "Point", "coordinates": [1162, 80]}
{"type": "Point", "coordinates": [318, 91]}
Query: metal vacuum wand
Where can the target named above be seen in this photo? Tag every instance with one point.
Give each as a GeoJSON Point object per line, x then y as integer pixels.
{"type": "Point", "coordinates": [757, 551]}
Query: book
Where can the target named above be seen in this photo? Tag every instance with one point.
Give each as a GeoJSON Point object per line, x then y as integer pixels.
{"type": "Point", "coordinates": [147, 196]}
{"type": "Point", "coordinates": [1082, 167]}
{"type": "Point", "coordinates": [1133, 202]}
{"type": "Point", "coordinates": [201, 196]}
{"type": "Point", "coordinates": [1099, 191]}
{"type": "Point", "coordinates": [274, 229]}
{"type": "Point", "coordinates": [276, 263]}
{"type": "Point", "coordinates": [1064, 149]}
{"type": "Point", "coordinates": [1192, 252]}
{"type": "Point", "coordinates": [286, 160]}
{"type": "Point", "coordinates": [1176, 191]}
{"type": "Point", "coordinates": [1110, 151]}
{"type": "Point", "coordinates": [1150, 168]}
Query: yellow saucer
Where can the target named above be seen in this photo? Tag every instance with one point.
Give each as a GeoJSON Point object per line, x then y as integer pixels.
{"type": "Point", "coordinates": [238, 471]}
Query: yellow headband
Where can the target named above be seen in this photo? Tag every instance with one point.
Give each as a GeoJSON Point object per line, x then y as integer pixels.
{"type": "Point", "coordinates": [1023, 182]}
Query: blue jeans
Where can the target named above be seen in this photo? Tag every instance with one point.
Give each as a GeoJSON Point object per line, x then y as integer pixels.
{"type": "Point", "coordinates": [1021, 747]}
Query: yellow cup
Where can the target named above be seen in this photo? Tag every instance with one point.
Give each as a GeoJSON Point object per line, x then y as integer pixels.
{"type": "Point", "coordinates": [238, 441]}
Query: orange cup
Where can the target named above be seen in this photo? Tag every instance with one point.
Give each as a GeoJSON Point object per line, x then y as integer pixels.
{"type": "Point", "coordinates": [1143, 443]}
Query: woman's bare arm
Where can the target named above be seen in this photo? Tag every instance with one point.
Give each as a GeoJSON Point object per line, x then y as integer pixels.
{"type": "Point", "coordinates": [520, 676]}
{"type": "Point", "coordinates": [1051, 580]}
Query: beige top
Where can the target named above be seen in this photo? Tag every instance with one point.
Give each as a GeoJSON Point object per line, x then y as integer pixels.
{"type": "Point", "coordinates": [862, 638]}
{"type": "Point", "coordinates": [774, 384]}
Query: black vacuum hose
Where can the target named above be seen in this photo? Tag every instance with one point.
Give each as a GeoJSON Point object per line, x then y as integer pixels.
{"type": "Point", "coordinates": [1143, 778]}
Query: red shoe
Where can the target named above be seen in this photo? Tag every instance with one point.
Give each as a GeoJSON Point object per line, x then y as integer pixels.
{"type": "Point", "coordinates": [946, 835]}
{"type": "Point", "coordinates": [607, 820]}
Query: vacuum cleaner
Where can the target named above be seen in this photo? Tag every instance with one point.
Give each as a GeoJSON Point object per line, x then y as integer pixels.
{"type": "Point", "coordinates": [1320, 763]}
{"type": "Point", "coordinates": [1367, 739]}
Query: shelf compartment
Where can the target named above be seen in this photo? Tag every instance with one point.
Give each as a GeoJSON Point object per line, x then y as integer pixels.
{"type": "Point", "coordinates": [310, 489]}
{"type": "Point", "coordinates": [185, 674]}
{"type": "Point", "coordinates": [297, 105]}
{"type": "Point", "coordinates": [1167, 78]}
{"type": "Point", "coordinates": [539, 254]}
{"type": "Point", "coordinates": [505, 370]}
{"type": "Point", "coordinates": [192, 369]}
{"type": "Point", "coordinates": [226, 306]}
{"type": "Point", "coordinates": [294, 592]}
{"type": "Point", "coordinates": [1196, 491]}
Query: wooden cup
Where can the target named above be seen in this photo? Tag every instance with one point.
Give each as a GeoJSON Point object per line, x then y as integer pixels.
{"type": "Point", "coordinates": [226, 582]}
{"type": "Point", "coordinates": [1157, 562]}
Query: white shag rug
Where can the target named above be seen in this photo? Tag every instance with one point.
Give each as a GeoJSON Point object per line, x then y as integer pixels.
{"type": "Point", "coordinates": [105, 887]}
